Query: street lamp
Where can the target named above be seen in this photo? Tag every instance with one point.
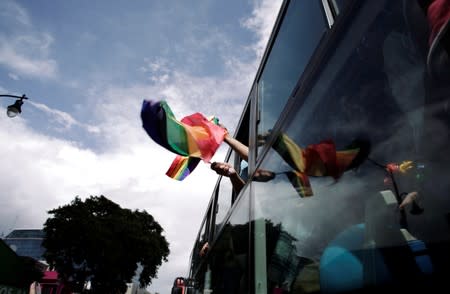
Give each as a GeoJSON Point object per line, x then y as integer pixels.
{"type": "Point", "coordinates": [15, 109]}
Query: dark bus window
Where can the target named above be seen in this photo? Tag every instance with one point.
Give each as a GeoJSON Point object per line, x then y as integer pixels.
{"type": "Point", "coordinates": [383, 125]}
{"type": "Point", "coordinates": [300, 32]}
{"type": "Point", "coordinates": [202, 239]}
{"type": "Point", "coordinates": [229, 255]}
{"type": "Point", "coordinates": [241, 164]}
{"type": "Point", "coordinates": [224, 198]}
{"type": "Point", "coordinates": [226, 195]}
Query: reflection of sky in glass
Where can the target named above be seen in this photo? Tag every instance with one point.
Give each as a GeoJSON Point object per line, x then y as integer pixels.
{"type": "Point", "coordinates": [334, 206]}
{"type": "Point", "coordinates": [240, 214]}
{"type": "Point", "coordinates": [296, 40]}
{"type": "Point", "coordinates": [224, 201]}
{"type": "Point", "coordinates": [373, 89]}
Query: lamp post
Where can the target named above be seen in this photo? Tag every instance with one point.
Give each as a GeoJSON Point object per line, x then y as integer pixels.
{"type": "Point", "coordinates": [15, 109]}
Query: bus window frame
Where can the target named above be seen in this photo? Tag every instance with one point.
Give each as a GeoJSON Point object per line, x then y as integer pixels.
{"type": "Point", "coordinates": [321, 56]}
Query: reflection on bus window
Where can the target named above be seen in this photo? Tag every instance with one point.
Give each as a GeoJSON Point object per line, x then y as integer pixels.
{"type": "Point", "coordinates": [228, 259]}
{"type": "Point", "coordinates": [353, 193]}
{"type": "Point", "coordinates": [224, 199]}
{"type": "Point", "coordinates": [303, 26]}
{"type": "Point", "coordinates": [385, 224]}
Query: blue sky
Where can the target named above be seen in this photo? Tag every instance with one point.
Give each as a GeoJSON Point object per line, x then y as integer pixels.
{"type": "Point", "coordinates": [86, 66]}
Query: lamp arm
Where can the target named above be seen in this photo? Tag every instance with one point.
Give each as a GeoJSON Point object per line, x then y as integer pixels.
{"type": "Point", "coordinates": [14, 96]}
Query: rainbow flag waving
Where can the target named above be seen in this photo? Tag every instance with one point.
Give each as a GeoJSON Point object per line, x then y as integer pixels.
{"type": "Point", "coordinates": [193, 138]}
{"type": "Point", "coordinates": [181, 167]}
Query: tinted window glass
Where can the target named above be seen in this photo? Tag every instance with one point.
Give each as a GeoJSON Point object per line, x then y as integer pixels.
{"type": "Point", "coordinates": [202, 239]}
{"type": "Point", "coordinates": [229, 255]}
{"type": "Point", "coordinates": [226, 193]}
{"type": "Point", "coordinates": [371, 137]}
{"type": "Point", "coordinates": [224, 200]}
{"type": "Point", "coordinates": [339, 5]}
{"type": "Point", "coordinates": [300, 32]}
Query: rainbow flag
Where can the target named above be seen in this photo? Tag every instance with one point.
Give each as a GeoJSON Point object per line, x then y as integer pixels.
{"type": "Point", "coordinates": [181, 167]}
{"type": "Point", "coordinates": [300, 182]}
{"type": "Point", "coordinates": [195, 136]}
{"type": "Point", "coordinates": [317, 160]}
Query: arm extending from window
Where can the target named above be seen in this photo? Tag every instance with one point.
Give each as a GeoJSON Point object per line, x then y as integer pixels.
{"type": "Point", "coordinates": [227, 170]}
{"type": "Point", "coordinates": [237, 146]}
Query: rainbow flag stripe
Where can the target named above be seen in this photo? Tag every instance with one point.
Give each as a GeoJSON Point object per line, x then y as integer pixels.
{"type": "Point", "coordinates": [181, 167]}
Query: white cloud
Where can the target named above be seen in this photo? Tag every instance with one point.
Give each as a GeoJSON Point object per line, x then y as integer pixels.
{"type": "Point", "coordinates": [262, 21]}
{"type": "Point", "coordinates": [27, 55]}
{"type": "Point", "coordinates": [158, 68]}
{"type": "Point", "coordinates": [13, 11]}
{"type": "Point", "coordinates": [23, 50]}
{"type": "Point", "coordinates": [63, 118]}
{"type": "Point", "coordinates": [13, 76]}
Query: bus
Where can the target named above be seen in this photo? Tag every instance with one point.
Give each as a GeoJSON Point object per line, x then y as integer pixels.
{"type": "Point", "coordinates": [349, 113]}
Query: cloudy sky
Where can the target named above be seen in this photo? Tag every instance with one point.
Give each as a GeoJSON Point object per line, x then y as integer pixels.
{"type": "Point", "coordinates": [86, 66]}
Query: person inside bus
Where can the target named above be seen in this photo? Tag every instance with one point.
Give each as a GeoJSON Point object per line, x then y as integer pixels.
{"type": "Point", "coordinates": [437, 13]}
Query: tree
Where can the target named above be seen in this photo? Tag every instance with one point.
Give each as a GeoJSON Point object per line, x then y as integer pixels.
{"type": "Point", "coordinates": [100, 242]}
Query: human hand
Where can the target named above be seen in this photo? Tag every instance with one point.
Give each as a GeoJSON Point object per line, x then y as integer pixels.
{"type": "Point", "coordinates": [412, 198]}
{"type": "Point", "coordinates": [223, 168]}
{"type": "Point", "coordinates": [409, 198]}
{"type": "Point", "coordinates": [204, 249]}
{"type": "Point", "coordinates": [262, 175]}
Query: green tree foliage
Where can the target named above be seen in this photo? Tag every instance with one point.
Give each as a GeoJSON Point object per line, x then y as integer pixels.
{"type": "Point", "coordinates": [98, 241]}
